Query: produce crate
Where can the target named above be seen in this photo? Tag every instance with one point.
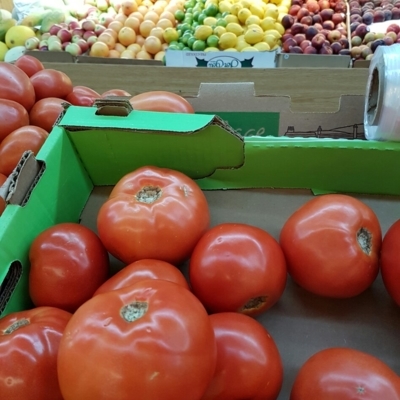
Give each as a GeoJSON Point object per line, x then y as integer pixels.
{"type": "Point", "coordinates": [286, 60]}
{"type": "Point", "coordinates": [74, 179]}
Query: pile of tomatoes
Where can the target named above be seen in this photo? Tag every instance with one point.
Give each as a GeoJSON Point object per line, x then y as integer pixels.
{"type": "Point", "coordinates": [32, 98]}
{"type": "Point", "coordinates": [150, 332]}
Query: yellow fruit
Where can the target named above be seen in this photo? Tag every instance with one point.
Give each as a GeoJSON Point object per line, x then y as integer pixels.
{"type": "Point", "coordinates": [170, 35]}
{"type": "Point", "coordinates": [227, 40]}
{"type": "Point", "coordinates": [249, 48]}
{"type": "Point", "coordinates": [219, 30]}
{"type": "Point", "coordinates": [17, 35]}
{"type": "Point", "coordinates": [202, 32]}
{"type": "Point", "coordinates": [233, 49]}
{"type": "Point", "coordinates": [253, 36]}
{"type": "Point", "coordinates": [257, 10]}
{"type": "Point", "coordinates": [245, 3]}
{"type": "Point", "coordinates": [235, 9]}
{"type": "Point", "coordinates": [210, 21]}
{"type": "Point", "coordinates": [208, 49]}
{"type": "Point", "coordinates": [253, 20]}
{"type": "Point", "coordinates": [271, 40]}
{"type": "Point", "coordinates": [3, 50]}
{"type": "Point", "coordinates": [283, 9]}
{"type": "Point", "coordinates": [279, 28]}
{"type": "Point", "coordinates": [241, 44]}
{"type": "Point", "coordinates": [224, 6]}
{"type": "Point", "coordinates": [262, 46]}
{"type": "Point", "coordinates": [273, 32]}
{"type": "Point", "coordinates": [243, 14]}
{"type": "Point", "coordinates": [234, 28]}
{"type": "Point", "coordinates": [255, 26]}
{"type": "Point", "coordinates": [231, 18]}
{"type": "Point", "coordinates": [267, 23]}
{"type": "Point", "coordinates": [272, 12]}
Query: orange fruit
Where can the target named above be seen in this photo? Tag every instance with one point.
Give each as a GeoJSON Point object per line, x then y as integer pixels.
{"type": "Point", "coordinates": [158, 8]}
{"type": "Point", "coordinates": [138, 15]}
{"type": "Point", "coordinates": [152, 45]}
{"type": "Point", "coordinates": [112, 33]}
{"type": "Point", "coordinates": [128, 7]}
{"type": "Point", "coordinates": [133, 23]}
{"type": "Point", "coordinates": [168, 15]}
{"type": "Point", "coordinates": [158, 32]}
{"type": "Point", "coordinates": [114, 54]}
{"type": "Point", "coordinates": [165, 23]}
{"type": "Point", "coordinates": [107, 39]}
{"type": "Point", "coordinates": [143, 9]}
{"type": "Point", "coordinates": [146, 27]}
{"type": "Point", "coordinates": [127, 54]}
{"type": "Point", "coordinates": [147, 3]}
{"type": "Point", "coordinates": [164, 46]}
{"type": "Point", "coordinates": [143, 55]}
{"type": "Point", "coordinates": [126, 36]}
{"type": "Point", "coordinates": [135, 47]}
{"type": "Point", "coordinates": [160, 55]}
{"type": "Point", "coordinates": [119, 47]}
{"type": "Point", "coordinates": [140, 40]}
{"type": "Point", "coordinates": [115, 25]}
{"type": "Point", "coordinates": [120, 17]}
{"type": "Point", "coordinates": [152, 16]}
{"type": "Point", "coordinates": [99, 49]}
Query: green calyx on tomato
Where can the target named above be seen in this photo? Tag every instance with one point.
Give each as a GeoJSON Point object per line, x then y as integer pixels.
{"type": "Point", "coordinates": [133, 311]}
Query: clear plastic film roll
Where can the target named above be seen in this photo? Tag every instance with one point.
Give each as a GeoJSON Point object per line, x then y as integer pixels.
{"type": "Point", "coordinates": [382, 100]}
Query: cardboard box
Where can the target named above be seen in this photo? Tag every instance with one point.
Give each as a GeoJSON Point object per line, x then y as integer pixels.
{"type": "Point", "coordinates": [74, 181]}
{"type": "Point", "coordinates": [286, 60]}
{"type": "Point", "coordinates": [221, 59]}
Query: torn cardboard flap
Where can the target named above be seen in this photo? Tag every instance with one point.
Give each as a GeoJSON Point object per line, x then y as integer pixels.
{"type": "Point", "coordinates": [119, 107]}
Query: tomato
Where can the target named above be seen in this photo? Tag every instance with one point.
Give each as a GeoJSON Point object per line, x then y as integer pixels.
{"type": "Point", "coordinates": [30, 65]}
{"type": "Point", "coordinates": [3, 178]}
{"type": "Point", "coordinates": [45, 112]}
{"type": "Point", "coordinates": [3, 205]}
{"type": "Point", "coordinates": [29, 342]}
{"type": "Point", "coordinates": [153, 213]}
{"type": "Point", "coordinates": [16, 143]}
{"type": "Point", "coordinates": [12, 115]}
{"type": "Point", "coordinates": [161, 101]}
{"type": "Point", "coordinates": [68, 264]}
{"type": "Point", "coordinates": [237, 267]}
{"type": "Point", "coordinates": [390, 261]}
{"type": "Point", "coordinates": [116, 92]}
{"type": "Point", "coordinates": [140, 270]}
{"type": "Point", "coordinates": [150, 340]}
{"type": "Point", "coordinates": [51, 83]}
{"type": "Point", "coordinates": [249, 365]}
{"type": "Point", "coordinates": [332, 245]}
{"type": "Point", "coordinates": [82, 96]}
{"type": "Point", "coordinates": [345, 374]}
{"type": "Point", "coordinates": [15, 85]}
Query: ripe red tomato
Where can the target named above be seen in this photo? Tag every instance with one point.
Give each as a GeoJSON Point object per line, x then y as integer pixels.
{"type": "Point", "coordinates": [249, 365]}
{"type": "Point", "coordinates": [15, 85]}
{"type": "Point", "coordinates": [237, 267]}
{"type": "Point", "coordinates": [30, 65]}
{"type": "Point", "coordinates": [3, 205]}
{"type": "Point", "coordinates": [29, 342]}
{"type": "Point", "coordinates": [12, 116]}
{"type": "Point", "coordinates": [82, 96]}
{"type": "Point", "coordinates": [140, 270]}
{"type": "Point", "coordinates": [390, 261]}
{"type": "Point", "coordinates": [16, 143]}
{"type": "Point", "coordinates": [51, 83]}
{"type": "Point", "coordinates": [116, 92]}
{"type": "Point", "coordinates": [150, 340]}
{"type": "Point", "coordinates": [153, 213]}
{"type": "Point", "coordinates": [345, 374]}
{"type": "Point", "coordinates": [3, 178]}
{"type": "Point", "coordinates": [332, 245]}
{"type": "Point", "coordinates": [68, 264]}
{"type": "Point", "coordinates": [161, 101]}
{"type": "Point", "coordinates": [46, 111]}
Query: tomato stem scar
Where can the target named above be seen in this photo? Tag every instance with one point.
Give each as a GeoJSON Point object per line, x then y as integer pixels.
{"type": "Point", "coordinates": [148, 194]}
{"type": "Point", "coordinates": [364, 239]}
{"type": "Point", "coordinates": [133, 311]}
{"type": "Point", "coordinates": [16, 325]}
{"type": "Point", "coordinates": [254, 303]}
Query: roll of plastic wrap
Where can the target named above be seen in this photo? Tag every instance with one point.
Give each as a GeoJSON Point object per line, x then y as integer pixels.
{"type": "Point", "coordinates": [382, 100]}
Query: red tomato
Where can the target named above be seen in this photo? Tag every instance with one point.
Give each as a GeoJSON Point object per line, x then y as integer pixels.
{"type": "Point", "coordinates": [68, 263]}
{"type": "Point", "coordinates": [249, 365]}
{"type": "Point", "coordinates": [140, 270]}
{"type": "Point", "coordinates": [345, 374]}
{"type": "Point", "coordinates": [116, 92]}
{"type": "Point", "coordinates": [12, 116]}
{"type": "Point", "coordinates": [151, 340]}
{"type": "Point", "coordinates": [51, 83]}
{"type": "Point", "coordinates": [390, 261]}
{"type": "Point", "coordinates": [237, 267]}
{"type": "Point", "coordinates": [45, 112]}
{"type": "Point", "coordinates": [15, 85]}
{"type": "Point", "coordinates": [3, 178]}
{"type": "Point", "coordinates": [332, 245]}
{"type": "Point", "coordinates": [16, 143]}
{"type": "Point", "coordinates": [153, 213]}
{"type": "Point", "coordinates": [3, 205]}
{"type": "Point", "coordinates": [161, 101]}
{"type": "Point", "coordinates": [29, 342]}
{"type": "Point", "coordinates": [82, 96]}
{"type": "Point", "coordinates": [30, 65]}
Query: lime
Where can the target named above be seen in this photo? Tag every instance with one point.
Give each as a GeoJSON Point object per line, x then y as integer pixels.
{"type": "Point", "coordinates": [179, 15]}
{"type": "Point", "coordinates": [196, 15]}
{"type": "Point", "coordinates": [173, 47]}
{"type": "Point", "coordinates": [185, 37]}
{"type": "Point", "coordinates": [211, 10]}
{"type": "Point", "coordinates": [201, 18]}
{"type": "Point", "coordinates": [186, 48]}
{"type": "Point", "coordinates": [184, 27]}
{"type": "Point", "coordinates": [212, 41]}
{"type": "Point", "coordinates": [189, 10]}
{"type": "Point", "coordinates": [181, 46]}
{"type": "Point", "coordinates": [189, 4]}
{"type": "Point", "coordinates": [221, 22]}
{"type": "Point", "coordinates": [191, 41]}
{"type": "Point", "coordinates": [202, 32]}
{"type": "Point", "coordinates": [224, 14]}
{"type": "Point", "coordinates": [199, 45]}
{"type": "Point", "coordinates": [195, 25]}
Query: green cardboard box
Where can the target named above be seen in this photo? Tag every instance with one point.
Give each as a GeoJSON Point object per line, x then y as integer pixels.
{"type": "Point", "coordinates": [91, 148]}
